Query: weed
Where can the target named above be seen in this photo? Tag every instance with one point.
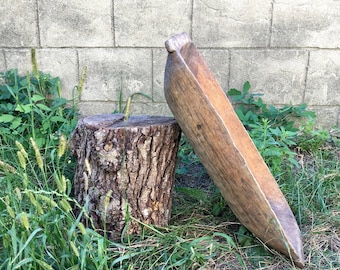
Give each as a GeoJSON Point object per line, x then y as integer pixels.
{"type": "Point", "coordinates": [274, 144]}
{"type": "Point", "coordinates": [40, 230]}
{"type": "Point", "coordinates": [274, 130]}
{"type": "Point", "coordinates": [312, 139]}
{"type": "Point", "coordinates": [251, 109]}
{"type": "Point", "coordinates": [126, 108]}
{"type": "Point", "coordinates": [32, 106]}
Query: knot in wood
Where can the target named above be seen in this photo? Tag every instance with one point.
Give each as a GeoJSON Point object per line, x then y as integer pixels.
{"type": "Point", "coordinates": [108, 146]}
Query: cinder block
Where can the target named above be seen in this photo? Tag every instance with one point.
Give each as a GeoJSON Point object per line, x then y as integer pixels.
{"type": "Point", "coordinates": [87, 108]}
{"type": "Point", "coordinates": [137, 108]}
{"type": "Point", "coordinates": [18, 24]}
{"type": "Point", "coordinates": [19, 59]}
{"type": "Point", "coordinates": [76, 23]}
{"type": "Point", "coordinates": [306, 23]}
{"type": "Point", "coordinates": [160, 109]}
{"type": "Point", "coordinates": [279, 75]}
{"type": "Point", "coordinates": [109, 70]}
{"type": "Point", "coordinates": [326, 116]}
{"type": "Point", "coordinates": [159, 57]}
{"type": "Point", "coordinates": [323, 79]}
{"type": "Point", "coordinates": [218, 23]}
{"type": "Point", "coordinates": [149, 23]}
{"type": "Point", "coordinates": [57, 62]}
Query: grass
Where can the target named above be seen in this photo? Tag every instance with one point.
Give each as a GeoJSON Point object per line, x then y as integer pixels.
{"type": "Point", "coordinates": [39, 230]}
{"type": "Point", "coordinates": [312, 191]}
{"type": "Point", "coordinates": [41, 225]}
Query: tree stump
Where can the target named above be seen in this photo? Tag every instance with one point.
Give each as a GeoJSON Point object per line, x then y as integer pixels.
{"type": "Point", "coordinates": [125, 168]}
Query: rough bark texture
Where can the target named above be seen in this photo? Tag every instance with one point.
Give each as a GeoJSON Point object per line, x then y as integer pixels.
{"type": "Point", "coordinates": [125, 168]}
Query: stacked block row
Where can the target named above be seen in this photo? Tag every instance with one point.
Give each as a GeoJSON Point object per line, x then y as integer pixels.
{"type": "Point", "coordinates": [288, 50]}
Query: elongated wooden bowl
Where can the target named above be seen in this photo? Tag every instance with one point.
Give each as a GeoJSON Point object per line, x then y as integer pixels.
{"type": "Point", "coordinates": [224, 147]}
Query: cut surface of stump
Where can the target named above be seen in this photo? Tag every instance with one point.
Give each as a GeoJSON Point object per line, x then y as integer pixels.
{"type": "Point", "coordinates": [125, 168]}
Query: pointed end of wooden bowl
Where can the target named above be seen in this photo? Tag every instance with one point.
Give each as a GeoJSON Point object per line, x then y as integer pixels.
{"type": "Point", "coordinates": [292, 245]}
{"type": "Point", "coordinates": [298, 257]}
{"type": "Point", "coordinates": [177, 42]}
{"type": "Point", "coordinates": [300, 263]}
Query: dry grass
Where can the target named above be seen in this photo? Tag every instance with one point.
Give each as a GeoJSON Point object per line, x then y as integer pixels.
{"type": "Point", "coordinates": [316, 184]}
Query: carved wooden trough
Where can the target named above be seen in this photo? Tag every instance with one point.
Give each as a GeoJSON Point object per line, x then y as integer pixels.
{"type": "Point", "coordinates": [223, 145]}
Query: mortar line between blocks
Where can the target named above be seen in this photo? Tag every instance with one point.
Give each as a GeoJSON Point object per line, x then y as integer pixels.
{"type": "Point", "coordinates": [306, 78]}
{"type": "Point", "coordinates": [271, 25]}
{"type": "Point", "coordinates": [4, 57]}
{"type": "Point", "coordinates": [37, 22]}
{"type": "Point", "coordinates": [198, 47]}
{"type": "Point", "coordinates": [229, 70]}
{"type": "Point", "coordinates": [152, 75]}
{"type": "Point", "coordinates": [192, 18]}
{"type": "Point", "coordinates": [113, 23]}
{"type": "Point", "coordinates": [78, 66]}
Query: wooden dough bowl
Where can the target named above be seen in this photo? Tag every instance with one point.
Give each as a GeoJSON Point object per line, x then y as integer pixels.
{"type": "Point", "coordinates": [218, 137]}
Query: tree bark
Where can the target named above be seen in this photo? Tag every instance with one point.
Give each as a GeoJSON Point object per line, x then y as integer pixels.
{"type": "Point", "coordinates": [125, 168]}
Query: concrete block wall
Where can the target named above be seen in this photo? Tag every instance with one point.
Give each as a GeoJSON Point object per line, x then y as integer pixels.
{"type": "Point", "coordinates": [287, 50]}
